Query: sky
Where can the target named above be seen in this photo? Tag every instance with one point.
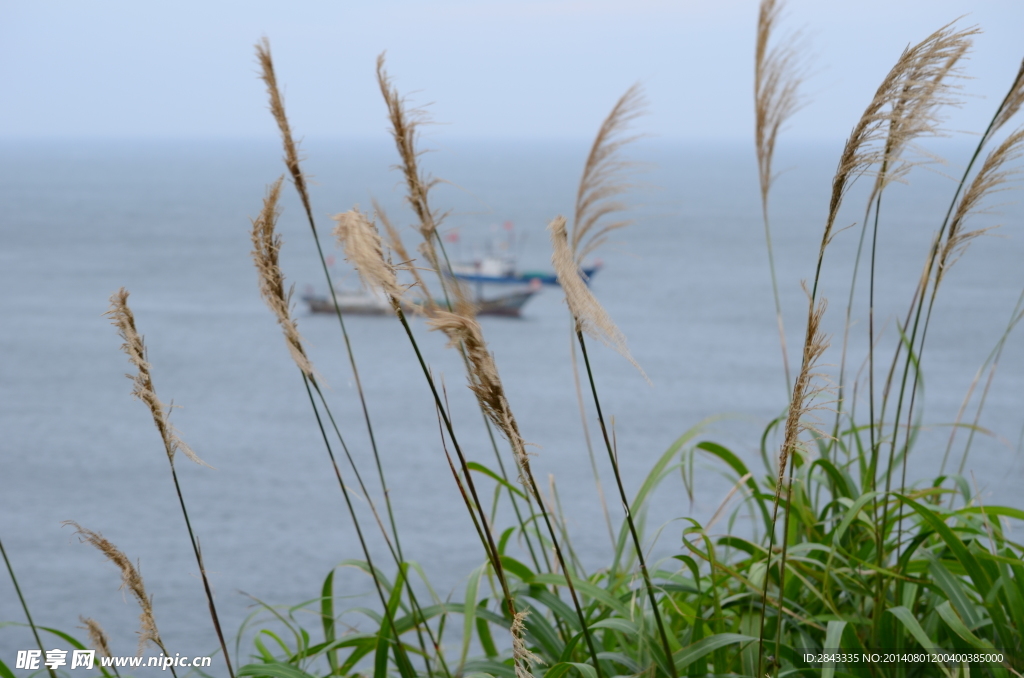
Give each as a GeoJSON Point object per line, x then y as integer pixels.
{"type": "Point", "coordinates": [484, 68]}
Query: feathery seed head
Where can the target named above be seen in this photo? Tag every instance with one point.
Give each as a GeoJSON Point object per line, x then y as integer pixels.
{"type": "Point", "coordinates": [589, 315]}
{"type": "Point", "coordinates": [130, 580]}
{"type": "Point", "coordinates": [462, 330]}
{"type": "Point", "coordinates": [406, 262]}
{"type": "Point", "coordinates": [363, 248]}
{"type": "Point", "coordinates": [142, 382]}
{"type": "Point", "coordinates": [804, 392]}
{"type": "Point", "coordinates": [521, 655]}
{"type": "Point", "coordinates": [904, 108]}
{"type": "Point", "coordinates": [601, 182]}
{"type": "Point", "coordinates": [97, 637]}
{"type": "Point", "coordinates": [291, 151]}
{"type": "Point", "coordinates": [778, 73]}
{"type": "Point", "coordinates": [1012, 102]}
{"type": "Point", "coordinates": [405, 125]}
{"type": "Point", "coordinates": [991, 178]}
{"type": "Point", "coordinates": [266, 247]}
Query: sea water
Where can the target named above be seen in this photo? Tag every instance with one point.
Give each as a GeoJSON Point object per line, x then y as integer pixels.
{"type": "Point", "coordinates": [688, 284]}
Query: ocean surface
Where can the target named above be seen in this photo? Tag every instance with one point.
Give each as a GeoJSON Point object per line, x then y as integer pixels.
{"type": "Point", "coordinates": [687, 283]}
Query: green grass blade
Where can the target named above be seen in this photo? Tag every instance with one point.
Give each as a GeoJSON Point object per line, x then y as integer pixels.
{"type": "Point", "coordinates": [622, 625]}
{"type": "Point", "coordinates": [469, 612]}
{"type": "Point", "coordinates": [833, 640]}
{"type": "Point", "coordinates": [485, 667]}
{"type": "Point", "coordinates": [910, 623]}
{"type": "Point", "coordinates": [557, 606]}
{"type": "Point", "coordinates": [480, 468]}
{"type": "Point", "coordinates": [272, 670]}
{"type": "Point", "coordinates": [954, 590]}
{"type": "Point", "coordinates": [706, 646]}
{"type": "Point", "coordinates": [562, 668]}
{"type": "Point", "coordinates": [596, 593]}
{"type": "Point", "coordinates": [327, 617]}
{"type": "Point", "coordinates": [483, 632]}
{"type": "Point", "coordinates": [737, 465]}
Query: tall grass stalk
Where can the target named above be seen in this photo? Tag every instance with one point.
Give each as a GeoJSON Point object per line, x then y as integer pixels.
{"type": "Point", "coordinates": [122, 317]}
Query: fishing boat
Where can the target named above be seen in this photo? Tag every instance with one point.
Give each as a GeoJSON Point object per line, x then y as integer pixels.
{"type": "Point", "coordinates": [496, 264]}
{"type": "Point", "coordinates": [362, 302]}
{"type": "Point", "coordinates": [503, 271]}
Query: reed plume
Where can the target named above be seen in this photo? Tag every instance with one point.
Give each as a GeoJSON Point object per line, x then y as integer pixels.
{"type": "Point", "coordinates": [266, 248]}
{"type": "Point", "coordinates": [142, 382]}
{"type": "Point", "coordinates": [587, 312]}
{"type": "Point", "coordinates": [1011, 103]}
{"type": "Point", "coordinates": [777, 79]}
{"type": "Point", "coordinates": [363, 249]}
{"type": "Point", "coordinates": [291, 151]}
{"type": "Point", "coordinates": [405, 124]}
{"type": "Point", "coordinates": [804, 394]}
{"type": "Point", "coordinates": [902, 109]}
{"type": "Point", "coordinates": [463, 331]}
{"type": "Point", "coordinates": [521, 655]}
{"type": "Point", "coordinates": [406, 262]}
{"type": "Point", "coordinates": [602, 181]}
{"type": "Point", "coordinates": [991, 178]}
{"type": "Point", "coordinates": [130, 580]}
{"type": "Point", "coordinates": [97, 636]}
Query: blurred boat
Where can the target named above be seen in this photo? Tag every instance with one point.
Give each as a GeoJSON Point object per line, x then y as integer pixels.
{"type": "Point", "coordinates": [503, 271]}
{"type": "Point", "coordinates": [349, 302]}
{"type": "Point", "coordinates": [362, 302]}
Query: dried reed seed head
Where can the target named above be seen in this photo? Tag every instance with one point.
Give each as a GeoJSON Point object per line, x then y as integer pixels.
{"type": "Point", "coordinates": [291, 151]}
{"type": "Point", "coordinates": [804, 394]}
{"type": "Point", "coordinates": [464, 331]}
{"type": "Point", "coordinates": [991, 178]}
{"type": "Point", "coordinates": [903, 109]}
{"type": "Point", "coordinates": [363, 248]}
{"type": "Point", "coordinates": [603, 176]}
{"type": "Point", "coordinates": [97, 637]}
{"type": "Point", "coordinates": [778, 73]}
{"type": "Point", "coordinates": [405, 124]}
{"type": "Point", "coordinates": [142, 382]}
{"type": "Point", "coordinates": [521, 655]}
{"type": "Point", "coordinates": [407, 263]}
{"type": "Point", "coordinates": [1012, 102]}
{"type": "Point", "coordinates": [130, 580]}
{"type": "Point", "coordinates": [265, 255]}
{"type": "Point", "coordinates": [588, 313]}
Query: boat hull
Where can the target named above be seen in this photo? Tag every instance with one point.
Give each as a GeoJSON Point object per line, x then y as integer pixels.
{"type": "Point", "coordinates": [524, 277]}
{"type": "Point", "coordinates": [508, 305]}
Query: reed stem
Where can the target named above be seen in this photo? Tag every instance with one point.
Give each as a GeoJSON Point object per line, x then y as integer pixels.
{"type": "Point", "coordinates": [625, 507]}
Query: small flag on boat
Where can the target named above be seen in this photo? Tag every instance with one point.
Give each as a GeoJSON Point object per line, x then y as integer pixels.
{"type": "Point", "coordinates": [452, 235]}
